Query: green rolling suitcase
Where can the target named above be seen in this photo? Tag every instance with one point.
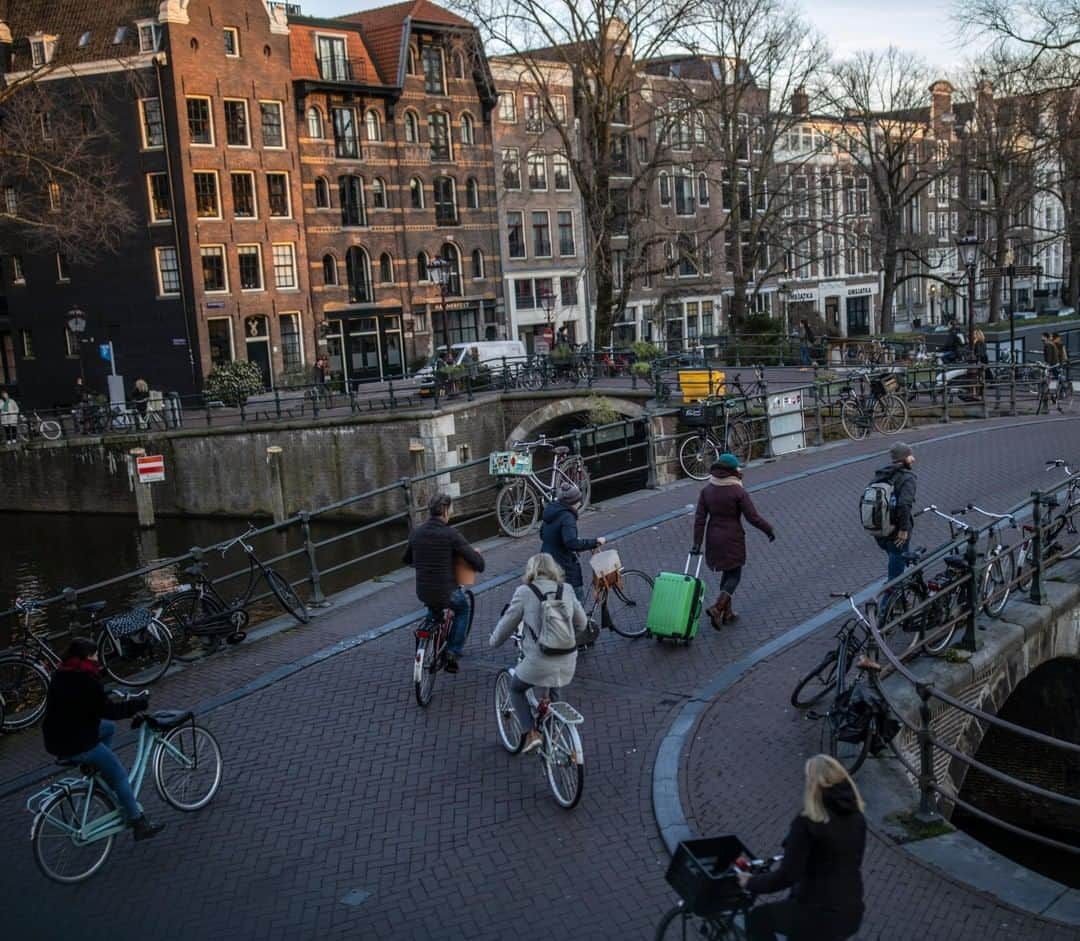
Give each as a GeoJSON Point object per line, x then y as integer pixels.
{"type": "Point", "coordinates": [675, 607]}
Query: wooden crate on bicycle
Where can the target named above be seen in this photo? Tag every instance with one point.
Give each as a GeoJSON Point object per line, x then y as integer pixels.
{"type": "Point", "coordinates": [884, 384]}
{"type": "Point", "coordinates": [606, 569]}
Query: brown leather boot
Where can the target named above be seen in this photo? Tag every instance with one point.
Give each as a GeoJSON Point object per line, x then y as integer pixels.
{"type": "Point", "coordinates": [718, 612]}
{"type": "Point", "coordinates": [730, 617]}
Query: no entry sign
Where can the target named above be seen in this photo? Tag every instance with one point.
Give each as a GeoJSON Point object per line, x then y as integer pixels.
{"type": "Point", "coordinates": [151, 468]}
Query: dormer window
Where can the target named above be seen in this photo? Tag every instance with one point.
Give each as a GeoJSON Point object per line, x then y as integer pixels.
{"type": "Point", "coordinates": [41, 50]}
{"type": "Point", "coordinates": [84, 40]}
{"type": "Point", "coordinates": [121, 34]}
{"type": "Point", "coordinates": [149, 36]}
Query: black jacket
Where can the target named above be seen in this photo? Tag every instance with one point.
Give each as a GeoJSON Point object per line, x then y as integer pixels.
{"type": "Point", "coordinates": [903, 482]}
{"type": "Point", "coordinates": [432, 548]}
{"type": "Point", "coordinates": [559, 539]}
{"type": "Point", "coordinates": [822, 863]}
{"type": "Point", "coordinates": [76, 704]}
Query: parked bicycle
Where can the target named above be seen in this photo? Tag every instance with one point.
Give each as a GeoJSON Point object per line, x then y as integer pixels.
{"type": "Point", "coordinates": [880, 409]}
{"type": "Point", "coordinates": [34, 426]}
{"type": "Point", "coordinates": [524, 493]}
{"type": "Point", "coordinates": [200, 611]}
{"type": "Point", "coordinates": [830, 673]}
{"type": "Point", "coordinates": [1001, 565]}
{"type": "Point", "coordinates": [717, 430]}
{"type": "Point", "coordinates": [1056, 390]}
{"type": "Point", "coordinates": [76, 819]}
{"type": "Point", "coordinates": [560, 745]}
{"type": "Point", "coordinates": [432, 636]}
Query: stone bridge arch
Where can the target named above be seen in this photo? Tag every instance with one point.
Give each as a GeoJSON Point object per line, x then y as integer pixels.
{"type": "Point", "coordinates": [550, 412]}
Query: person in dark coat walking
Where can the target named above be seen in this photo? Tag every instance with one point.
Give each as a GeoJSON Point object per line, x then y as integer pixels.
{"type": "Point", "coordinates": [559, 536]}
{"type": "Point", "coordinates": [823, 854]}
{"type": "Point", "coordinates": [718, 522]}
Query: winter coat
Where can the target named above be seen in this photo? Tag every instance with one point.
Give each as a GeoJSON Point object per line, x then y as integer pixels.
{"type": "Point", "coordinates": [432, 549]}
{"type": "Point", "coordinates": [903, 483]}
{"type": "Point", "coordinates": [74, 707]}
{"type": "Point", "coordinates": [822, 863]}
{"type": "Point", "coordinates": [538, 669]}
{"type": "Point", "coordinates": [9, 412]}
{"type": "Point", "coordinates": [1062, 353]}
{"type": "Point", "coordinates": [1050, 353]}
{"type": "Point", "coordinates": [559, 539]}
{"type": "Point", "coordinates": [721, 506]}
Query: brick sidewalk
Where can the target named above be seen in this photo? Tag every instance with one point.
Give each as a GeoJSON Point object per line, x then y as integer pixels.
{"type": "Point", "coordinates": [336, 781]}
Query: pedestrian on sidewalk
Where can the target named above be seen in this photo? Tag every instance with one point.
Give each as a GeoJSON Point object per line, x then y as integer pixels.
{"type": "Point", "coordinates": [721, 506]}
{"type": "Point", "coordinates": [823, 854]}
{"type": "Point", "coordinates": [559, 536]}
{"type": "Point", "coordinates": [140, 400]}
{"type": "Point", "coordinates": [899, 475]}
{"type": "Point", "coordinates": [9, 417]}
{"type": "Point", "coordinates": [1062, 353]}
{"type": "Point", "coordinates": [1050, 351]}
{"type": "Point", "coordinates": [807, 345]}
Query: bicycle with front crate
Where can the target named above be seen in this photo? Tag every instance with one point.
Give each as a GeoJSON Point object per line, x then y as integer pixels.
{"type": "Point", "coordinates": [523, 493]}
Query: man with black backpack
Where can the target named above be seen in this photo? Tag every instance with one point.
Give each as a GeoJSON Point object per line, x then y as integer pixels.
{"type": "Point", "coordinates": [887, 504]}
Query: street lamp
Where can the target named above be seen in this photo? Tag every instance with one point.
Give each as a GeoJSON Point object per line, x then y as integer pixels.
{"type": "Point", "coordinates": [76, 323]}
{"type": "Point", "coordinates": [439, 272]}
{"type": "Point", "coordinates": [933, 297]}
{"type": "Point", "coordinates": [968, 248]}
{"type": "Point", "coordinates": [547, 304]}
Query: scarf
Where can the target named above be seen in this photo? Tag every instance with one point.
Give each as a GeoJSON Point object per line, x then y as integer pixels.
{"type": "Point", "coordinates": [725, 481]}
{"type": "Point", "coordinates": [79, 665]}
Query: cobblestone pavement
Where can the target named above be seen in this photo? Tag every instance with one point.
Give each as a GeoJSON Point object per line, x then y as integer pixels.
{"type": "Point", "coordinates": [339, 788]}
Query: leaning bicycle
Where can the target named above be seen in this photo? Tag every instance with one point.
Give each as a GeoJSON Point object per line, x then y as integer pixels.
{"type": "Point", "coordinates": [880, 409]}
{"type": "Point", "coordinates": [523, 492]}
{"type": "Point", "coordinates": [77, 818]}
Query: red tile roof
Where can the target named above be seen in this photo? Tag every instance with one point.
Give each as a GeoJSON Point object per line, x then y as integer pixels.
{"type": "Point", "coordinates": [302, 52]}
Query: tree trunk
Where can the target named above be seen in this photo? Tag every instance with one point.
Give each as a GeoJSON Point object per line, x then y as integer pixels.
{"type": "Point", "coordinates": [888, 289]}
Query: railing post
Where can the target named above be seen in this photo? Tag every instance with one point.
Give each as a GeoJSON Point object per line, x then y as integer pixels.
{"type": "Point", "coordinates": [768, 424]}
{"type": "Point", "coordinates": [406, 489]}
{"type": "Point", "coordinates": [817, 412]}
{"type": "Point", "coordinates": [1012, 389]}
{"type": "Point", "coordinates": [985, 397]}
{"type": "Point", "coordinates": [651, 482]}
{"type": "Point", "coordinates": [468, 387]}
{"type": "Point", "coordinates": [738, 362]}
{"type": "Point", "coordinates": [971, 556]}
{"type": "Point", "coordinates": [780, 351]}
{"type": "Point", "coordinates": [277, 403]}
{"type": "Point", "coordinates": [318, 599]}
{"type": "Point", "coordinates": [1038, 588]}
{"type": "Point", "coordinates": [243, 411]}
{"type": "Point", "coordinates": [315, 401]}
{"type": "Point", "coordinates": [926, 812]}
{"type": "Point", "coordinates": [945, 396]}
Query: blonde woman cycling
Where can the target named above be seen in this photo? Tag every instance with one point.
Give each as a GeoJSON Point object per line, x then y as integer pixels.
{"type": "Point", "coordinates": [544, 580]}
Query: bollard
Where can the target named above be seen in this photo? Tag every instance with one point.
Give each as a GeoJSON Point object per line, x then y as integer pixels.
{"type": "Point", "coordinates": [317, 599]}
{"type": "Point", "coordinates": [316, 401]}
{"type": "Point", "coordinates": [926, 813]}
{"type": "Point", "coordinates": [277, 489]}
{"type": "Point", "coordinates": [971, 556]}
{"type": "Point", "coordinates": [144, 496]}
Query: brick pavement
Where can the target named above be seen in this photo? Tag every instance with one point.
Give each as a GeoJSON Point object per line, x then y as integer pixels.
{"type": "Point", "coordinates": [336, 781]}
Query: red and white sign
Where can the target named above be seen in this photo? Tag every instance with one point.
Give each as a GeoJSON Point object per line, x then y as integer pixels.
{"type": "Point", "coordinates": [151, 468]}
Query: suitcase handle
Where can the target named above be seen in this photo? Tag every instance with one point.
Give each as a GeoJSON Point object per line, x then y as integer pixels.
{"type": "Point", "coordinates": [697, 572]}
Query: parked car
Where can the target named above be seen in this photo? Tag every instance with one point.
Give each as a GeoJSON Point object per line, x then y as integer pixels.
{"type": "Point", "coordinates": [1024, 315]}
{"type": "Point", "coordinates": [1066, 312]}
{"type": "Point", "coordinates": [489, 352]}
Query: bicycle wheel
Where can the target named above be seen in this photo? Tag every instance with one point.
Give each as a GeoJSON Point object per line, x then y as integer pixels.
{"type": "Point", "coordinates": [511, 737]}
{"type": "Point", "coordinates": [24, 685]}
{"type": "Point", "coordinates": [900, 630]}
{"type": "Point", "coordinates": [997, 582]}
{"type": "Point", "coordinates": [187, 767]}
{"type": "Point", "coordinates": [851, 754]}
{"type": "Point", "coordinates": [50, 430]}
{"type": "Point", "coordinates": [184, 610]}
{"type": "Point", "coordinates": [813, 687]}
{"type": "Point", "coordinates": [890, 415]}
{"type": "Point", "coordinates": [577, 473]}
{"type": "Point", "coordinates": [854, 421]}
{"type": "Point", "coordinates": [424, 669]}
{"type": "Point", "coordinates": [287, 596]}
{"type": "Point", "coordinates": [532, 379]}
{"type": "Point", "coordinates": [1065, 396]}
{"type": "Point", "coordinates": [137, 659]}
{"type": "Point", "coordinates": [563, 761]}
{"type": "Point", "coordinates": [518, 508]}
{"type": "Point", "coordinates": [681, 924]}
{"type": "Point", "coordinates": [628, 603]}
{"type": "Point", "coordinates": [58, 854]}
{"type": "Point", "coordinates": [740, 440]}
{"type": "Point", "coordinates": [697, 454]}
{"type": "Point", "coordinates": [947, 606]}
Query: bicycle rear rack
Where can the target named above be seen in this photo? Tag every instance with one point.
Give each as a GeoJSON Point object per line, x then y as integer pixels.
{"type": "Point", "coordinates": [566, 713]}
{"type": "Point", "coordinates": [35, 803]}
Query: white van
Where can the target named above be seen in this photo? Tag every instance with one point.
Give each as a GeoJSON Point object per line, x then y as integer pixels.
{"type": "Point", "coordinates": [488, 352]}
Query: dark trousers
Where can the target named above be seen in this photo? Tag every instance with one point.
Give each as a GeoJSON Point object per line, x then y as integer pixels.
{"type": "Point", "coordinates": [796, 922]}
{"type": "Point", "coordinates": [729, 579]}
{"type": "Point", "coordinates": [897, 562]}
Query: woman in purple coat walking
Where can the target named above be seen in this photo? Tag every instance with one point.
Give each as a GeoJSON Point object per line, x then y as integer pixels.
{"type": "Point", "coordinates": [718, 521]}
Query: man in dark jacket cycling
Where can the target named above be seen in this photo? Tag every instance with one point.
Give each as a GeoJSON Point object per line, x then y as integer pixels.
{"type": "Point", "coordinates": [903, 480]}
{"type": "Point", "coordinates": [559, 536]}
{"type": "Point", "coordinates": [433, 548]}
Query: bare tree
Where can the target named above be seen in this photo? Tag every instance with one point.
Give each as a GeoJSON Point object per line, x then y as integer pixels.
{"type": "Point", "coordinates": [1036, 31]}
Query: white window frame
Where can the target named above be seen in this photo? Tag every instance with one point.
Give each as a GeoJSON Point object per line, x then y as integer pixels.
{"type": "Point", "coordinates": [250, 174]}
{"type": "Point", "coordinates": [232, 336]}
{"type": "Point", "coordinates": [507, 113]}
{"type": "Point", "coordinates": [146, 145]}
{"type": "Point", "coordinates": [466, 121]}
{"type": "Point", "coordinates": [663, 181]}
{"type": "Point", "coordinates": [154, 220]}
{"type": "Point", "coordinates": [158, 250]}
{"type": "Point", "coordinates": [529, 158]}
{"type": "Point", "coordinates": [411, 116]}
{"type": "Point", "coordinates": [372, 113]}
{"type": "Point", "coordinates": [240, 249]}
{"type": "Point", "coordinates": [56, 198]}
{"type": "Point", "coordinates": [307, 123]}
{"type": "Point", "coordinates": [210, 111]}
{"type": "Point", "coordinates": [224, 265]}
{"type": "Point", "coordinates": [281, 112]}
{"type": "Point", "coordinates": [534, 122]}
{"type": "Point", "coordinates": [63, 275]}
{"type": "Point", "coordinates": [524, 236]}
{"type": "Point", "coordinates": [288, 194]}
{"type": "Point", "coordinates": [558, 233]}
{"type": "Point", "coordinates": [291, 246]}
{"type": "Point", "coordinates": [532, 235]}
{"type": "Point", "coordinates": [483, 264]}
{"type": "Point", "coordinates": [384, 188]}
{"type": "Point", "coordinates": [558, 107]}
{"type": "Point", "coordinates": [217, 194]}
{"type": "Point", "coordinates": [155, 32]}
{"type": "Point", "coordinates": [235, 54]}
{"type": "Point", "coordinates": [11, 200]}
{"type": "Point", "coordinates": [38, 54]}
{"type": "Point", "coordinates": [555, 158]}
{"type": "Point", "coordinates": [299, 333]}
{"type": "Point", "coordinates": [225, 102]}
{"type": "Point", "coordinates": [423, 197]}
{"type": "Point", "coordinates": [18, 273]}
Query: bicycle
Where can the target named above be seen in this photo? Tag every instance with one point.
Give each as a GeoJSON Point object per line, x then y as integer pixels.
{"type": "Point", "coordinates": [560, 745]}
{"type": "Point", "coordinates": [632, 590]}
{"type": "Point", "coordinates": [519, 503]}
{"type": "Point", "coordinates": [432, 636]}
{"type": "Point", "coordinates": [1001, 565]}
{"type": "Point", "coordinates": [200, 610]}
{"type": "Point", "coordinates": [712, 905]}
{"type": "Point", "coordinates": [38, 427]}
{"type": "Point", "coordinates": [852, 639]}
{"type": "Point", "coordinates": [703, 447]}
{"type": "Point", "coordinates": [76, 819]}
{"type": "Point", "coordinates": [1054, 390]}
{"type": "Point", "coordinates": [881, 409]}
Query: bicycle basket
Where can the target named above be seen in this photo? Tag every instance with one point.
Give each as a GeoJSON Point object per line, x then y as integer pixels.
{"type": "Point", "coordinates": [854, 710]}
{"type": "Point", "coordinates": [606, 569]}
{"type": "Point", "coordinates": [509, 463]}
{"type": "Point", "coordinates": [702, 415]}
{"type": "Point", "coordinates": [701, 872]}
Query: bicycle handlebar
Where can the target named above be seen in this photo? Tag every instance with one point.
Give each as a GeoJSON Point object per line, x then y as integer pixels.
{"type": "Point", "coordinates": [541, 442]}
{"type": "Point", "coordinates": [993, 516]}
{"type": "Point", "coordinates": [1051, 465]}
{"type": "Point", "coordinates": [945, 516]}
{"type": "Point", "coordinates": [252, 528]}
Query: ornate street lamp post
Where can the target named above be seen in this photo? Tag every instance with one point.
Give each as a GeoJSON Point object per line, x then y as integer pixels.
{"type": "Point", "coordinates": [968, 248]}
{"type": "Point", "coordinates": [76, 323]}
{"type": "Point", "coordinates": [439, 272]}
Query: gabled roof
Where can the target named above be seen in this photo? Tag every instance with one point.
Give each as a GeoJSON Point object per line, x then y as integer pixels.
{"type": "Point", "coordinates": [302, 49]}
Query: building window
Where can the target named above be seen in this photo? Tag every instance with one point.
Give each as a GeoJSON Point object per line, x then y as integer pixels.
{"type": "Point", "coordinates": [148, 37]}
{"type": "Point", "coordinates": [153, 131]}
{"type": "Point", "coordinates": [541, 235]}
{"type": "Point", "coordinates": [524, 296]}
{"type": "Point", "coordinates": [386, 268]}
{"type": "Point", "coordinates": [432, 61]}
{"type": "Point", "coordinates": [568, 291]}
{"type": "Point", "coordinates": [410, 62]}
{"type": "Point", "coordinates": [219, 339]}
{"type": "Point", "coordinates": [566, 233]}
{"type": "Point", "coordinates": [206, 195]}
{"type": "Point", "coordinates": [351, 198]}
{"type": "Point", "coordinates": [422, 267]}
{"type": "Point", "coordinates": [45, 123]}
{"type": "Point", "coordinates": [329, 270]}
{"type": "Point", "coordinates": [378, 193]}
{"type": "Point", "coordinates": [684, 194]}
{"type": "Point", "coordinates": [232, 42]}
{"type": "Point", "coordinates": [412, 128]}
{"type": "Point", "coordinates": [537, 166]}
{"type": "Point", "coordinates": [467, 129]}
{"type": "Point", "coordinates": [507, 108]}
{"type": "Point", "coordinates": [54, 197]}
{"type": "Point", "coordinates": [215, 279]}
{"type": "Point", "coordinates": [26, 338]}
{"type": "Point", "coordinates": [71, 343]}
{"type": "Point", "coordinates": [250, 258]}
{"type": "Point", "coordinates": [663, 181]}
{"type": "Point", "coordinates": [11, 201]}
{"type": "Point", "coordinates": [346, 143]}
{"type": "Point", "coordinates": [826, 197]}
{"type": "Point", "coordinates": [511, 168]}
{"type": "Point", "coordinates": [458, 65]}
{"type": "Point", "coordinates": [243, 194]}
{"type": "Point", "coordinates": [273, 124]}
{"type": "Point", "coordinates": [373, 126]}
{"type": "Point", "coordinates": [560, 166]}
{"type": "Point", "coordinates": [160, 200]}
{"type": "Point", "coordinates": [439, 136]}
{"type": "Point", "coordinates": [702, 189]}
{"type": "Point", "coordinates": [18, 275]}
{"type": "Point", "coordinates": [453, 260]}
{"type": "Point", "coordinates": [445, 201]}
{"type": "Point", "coordinates": [168, 269]}
{"type": "Point", "coordinates": [416, 193]}
{"type": "Point", "coordinates": [322, 193]}
{"type": "Point", "coordinates": [534, 114]}
{"type": "Point", "coordinates": [284, 266]}
{"type": "Point", "coordinates": [62, 272]}
{"type": "Point", "coordinates": [292, 355]}
{"type": "Point", "coordinates": [686, 254]}
{"type": "Point", "coordinates": [472, 193]}
{"type": "Point", "coordinates": [515, 234]}
{"type": "Point", "coordinates": [37, 53]}
{"type": "Point", "coordinates": [277, 194]}
{"type": "Point", "coordinates": [358, 269]}
{"type": "Point", "coordinates": [200, 123]}
{"type": "Point", "coordinates": [332, 58]}
{"type": "Point", "coordinates": [314, 123]}
{"type": "Point", "coordinates": [236, 124]}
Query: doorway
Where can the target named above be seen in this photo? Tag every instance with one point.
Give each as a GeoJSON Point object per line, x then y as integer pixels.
{"type": "Point", "coordinates": [364, 354]}
{"type": "Point", "coordinates": [257, 339]}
